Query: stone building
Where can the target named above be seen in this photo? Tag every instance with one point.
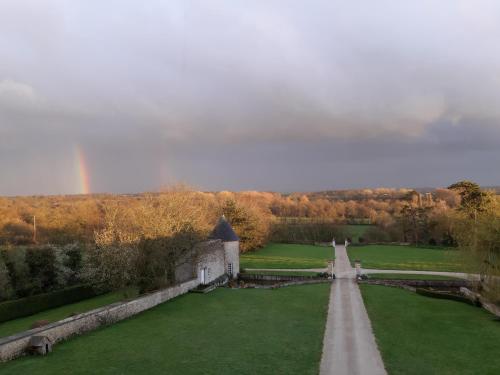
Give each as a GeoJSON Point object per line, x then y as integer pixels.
{"type": "Point", "coordinates": [209, 263]}
{"type": "Point", "coordinates": [224, 232]}
{"type": "Point", "coordinates": [211, 259]}
{"type": "Point", "coordinates": [41, 345]}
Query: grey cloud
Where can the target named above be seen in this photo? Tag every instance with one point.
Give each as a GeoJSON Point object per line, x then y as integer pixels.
{"type": "Point", "coordinates": [294, 89]}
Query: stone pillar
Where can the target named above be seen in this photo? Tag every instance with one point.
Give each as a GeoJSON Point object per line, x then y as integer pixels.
{"type": "Point", "coordinates": [330, 267]}
{"type": "Point", "coordinates": [357, 266]}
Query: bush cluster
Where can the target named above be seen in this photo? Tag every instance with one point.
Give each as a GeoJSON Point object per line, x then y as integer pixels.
{"type": "Point", "coordinates": [30, 270]}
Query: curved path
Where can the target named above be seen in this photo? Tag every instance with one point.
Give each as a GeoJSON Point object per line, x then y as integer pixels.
{"type": "Point", "coordinates": [349, 347]}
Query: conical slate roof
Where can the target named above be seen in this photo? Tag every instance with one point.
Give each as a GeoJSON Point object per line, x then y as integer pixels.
{"type": "Point", "coordinates": [223, 231]}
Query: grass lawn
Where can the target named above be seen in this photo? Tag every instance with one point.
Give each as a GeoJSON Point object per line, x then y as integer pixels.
{"type": "Point", "coordinates": [354, 231]}
{"type": "Point", "coordinates": [283, 273]}
{"type": "Point", "coordinates": [396, 257]}
{"type": "Point", "coordinates": [408, 276]}
{"type": "Point", "coordinates": [22, 324]}
{"type": "Point", "coordinates": [228, 331]}
{"type": "Point", "coordinates": [287, 256]}
{"type": "Point", "coordinates": [421, 335]}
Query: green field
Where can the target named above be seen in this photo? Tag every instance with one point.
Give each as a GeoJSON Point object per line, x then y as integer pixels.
{"type": "Point", "coordinates": [407, 276]}
{"type": "Point", "coordinates": [354, 231]}
{"type": "Point", "coordinates": [228, 331]}
{"type": "Point", "coordinates": [287, 256]}
{"type": "Point", "coordinates": [396, 257]}
{"type": "Point", "coordinates": [22, 324]}
{"type": "Point", "coordinates": [420, 335]}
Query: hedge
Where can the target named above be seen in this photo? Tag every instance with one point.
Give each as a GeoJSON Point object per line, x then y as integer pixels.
{"type": "Point", "coordinates": [33, 304]}
{"type": "Point", "coordinates": [453, 297]}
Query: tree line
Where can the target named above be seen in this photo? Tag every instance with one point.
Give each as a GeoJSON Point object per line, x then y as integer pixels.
{"type": "Point", "coordinates": [65, 219]}
{"type": "Point", "coordinates": [121, 240]}
{"type": "Point", "coordinates": [135, 240]}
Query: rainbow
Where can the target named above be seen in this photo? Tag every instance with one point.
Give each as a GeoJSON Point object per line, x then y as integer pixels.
{"type": "Point", "coordinates": [83, 171]}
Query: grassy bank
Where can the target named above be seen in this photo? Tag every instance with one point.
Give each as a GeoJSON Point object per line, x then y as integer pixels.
{"type": "Point", "coordinates": [22, 324]}
{"type": "Point", "coordinates": [405, 258]}
{"type": "Point", "coordinates": [287, 256]}
{"type": "Point", "coordinates": [244, 331]}
{"type": "Point", "coordinates": [420, 335]}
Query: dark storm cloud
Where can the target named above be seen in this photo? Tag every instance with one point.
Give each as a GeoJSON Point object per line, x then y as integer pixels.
{"type": "Point", "coordinates": [283, 95]}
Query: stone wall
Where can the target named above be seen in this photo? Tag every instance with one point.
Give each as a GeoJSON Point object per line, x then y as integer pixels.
{"type": "Point", "coordinates": [284, 284]}
{"type": "Point", "coordinates": [477, 298]}
{"type": "Point", "coordinates": [257, 277]}
{"type": "Point", "coordinates": [210, 256]}
{"type": "Point", "coordinates": [419, 283]}
{"type": "Point", "coordinates": [185, 270]}
{"type": "Point", "coordinates": [279, 281]}
{"type": "Point", "coordinates": [15, 346]}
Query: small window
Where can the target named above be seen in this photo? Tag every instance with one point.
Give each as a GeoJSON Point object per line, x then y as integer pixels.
{"type": "Point", "coordinates": [230, 268]}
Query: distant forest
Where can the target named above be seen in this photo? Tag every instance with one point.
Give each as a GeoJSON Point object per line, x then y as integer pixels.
{"type": "Point", "coordinates": [49, 243]}
{"type": "Point", "coordinates": [403, 215]}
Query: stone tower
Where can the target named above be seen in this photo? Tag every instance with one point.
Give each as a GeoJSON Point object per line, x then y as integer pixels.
{"type": "Point", "coordinates": [224, 232]}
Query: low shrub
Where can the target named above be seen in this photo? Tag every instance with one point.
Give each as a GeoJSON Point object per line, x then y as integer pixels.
{"type": "Point", "coordinates": [31, 305]}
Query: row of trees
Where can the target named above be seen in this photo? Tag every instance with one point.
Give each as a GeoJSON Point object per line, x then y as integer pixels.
{"type": "Point", "coordinates": [399, 215]}
{"type": "Point", "coordinates": [65, 219]}
{"type": "Point", "coordinates": [136, 240]}
{"type": "Point", "coordinates": [139, 239]}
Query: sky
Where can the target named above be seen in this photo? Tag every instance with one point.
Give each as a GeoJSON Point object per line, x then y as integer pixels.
{"type": "Point", "coordinates": [126, 96]}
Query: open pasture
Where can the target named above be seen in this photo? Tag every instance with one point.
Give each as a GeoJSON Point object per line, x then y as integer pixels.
{"type": "Point", "coordinates": [394, 257]}
{"type": "Point", "coordinates": [288, 256]}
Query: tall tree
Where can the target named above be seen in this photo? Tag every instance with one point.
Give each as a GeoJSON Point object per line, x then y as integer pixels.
{"type": "Point", "coordinates": [473, 199]}
{"type": "Point", "coordinates": [250, 223]}
{"type": "Point", "coordinates": [478, 235]}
